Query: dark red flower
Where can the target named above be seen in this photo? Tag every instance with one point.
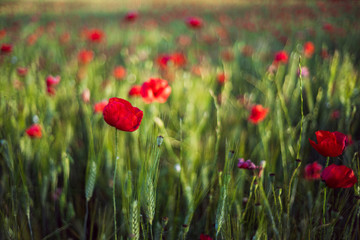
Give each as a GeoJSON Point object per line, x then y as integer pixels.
{"type": "Point", "coordinates": [281, 57]}
{"type": "Point", "coordinates": [349, 140]}
{"type": "Point", "coordinates": [335, 114]}
{"type": "Point", "coordinates": [135, 91]}
{"type": "Point", "coordinates": [313, 171]}
{"type": "Point", "coordinates": [85, 56]}
{"type": "Point", "coordinates": [194, 22]}
{"type": "Point", "coordinates": [34, 131]}
{"type": "Point", "coordinates": [131, 16]}
{"type": "Point", "coordinates": [6, 48]}
{"type": "Point", "coordinates": [205, 237]}
{"type": "Point", "coordinates": [338, 176]}
{"type": "Point", "coordinates": [155, 90]}
{"type": "Point", "coordinates": [119, 72]}
{"type": "Point", "coordinates": [328, 27]}
{"type": "Point", "coordinates": [309, 49]}
{"type": "Point", "coordinates": [258, 114]}
{"type": "Point", "coordinates": [120, 114]}
{"type": "Point", "coordinates": [22, 71]}
{"type": "Point", "coordinates": [99, 106]}
{"type": "Point", "coordinates": [52, 81]}
{"type": "Point", "coordinates": [95, 35]}
{"type": "Point", "coordinates": [325, 54]}
{"type": "Point", "coordinates": [330, 144]}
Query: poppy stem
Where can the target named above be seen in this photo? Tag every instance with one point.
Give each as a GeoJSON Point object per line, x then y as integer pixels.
{"type": "Point", "coordinates": [324, 204]}
{"type": "Point", "coordinates": [114, 184]}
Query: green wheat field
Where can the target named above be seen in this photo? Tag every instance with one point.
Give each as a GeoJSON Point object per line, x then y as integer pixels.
{"type": "Point", "coordinates": [240, 81]}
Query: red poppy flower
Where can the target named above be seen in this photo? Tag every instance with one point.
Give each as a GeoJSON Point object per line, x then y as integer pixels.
{"type": "Point", "coordinates": [325, 54]}
{"type": "Point", "coordinates": [51, 91]}
{"type": "Point", "coordinates": [281, 57]}
{"type": "Point", "coordinates": [221, 78]}
{"type": "Point", "coordinates": [313, 171]}
{"type": "Point", "coordinates": [349, 140]}
{"type": "Point", "coordinates": [155, 90]}
{"type": "Point", "coordinates": [119, 72]}
{"type": "Point", "coordinates": [85, 56]}
{"type": "Point", "coordinates": [64, 38]}
{"type": "Point", "coordinates": [120, 114]}
{"type": "Point", "coordinates": [328, 27]}
{"type": "Point", "coordinates": [205, 237]}
{"type": "Point", "coordinates": [179, 59]}
{"type": "Point", "coordinates": [22, 71]}
{"type": "Point", "coordinates": [34, 131]}
{"type": "Point", "coordinates": [52, 81]}
{"type": "Point", "coordinates": [194, 22]}
{"type": "Point", "coordinates": [99, 107]}
{"type": "Point", "coordinates": [6, 48]}
{"type": "Point", "coordinates": [131, 16]}
{"type": "Point", "coordinates": [227, 55]}
{"type": "Point", "coordinates": [2, 33]}
{"type": "Point", "coordinates": [330, 144]}
{"type": "Point", "coordinates": [184, 40]}
{"type": "Point", "coordinates": [95, 35]}
{"type": "Point", "coordinates": [135, 91]}
{"type": "Point", "coordinates": [163, 60]}
{"type": "Point", "coordinates": [309, 49]}
{"type": "Point", "coordinates": [338, 176]}
{"type": "Point", "coordinates": [258, 114]}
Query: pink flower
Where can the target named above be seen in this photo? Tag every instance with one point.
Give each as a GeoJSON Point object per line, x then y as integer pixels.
{"type": "Point", "coordinates": [248, 164]}
{"type": "Point", "coordinates": [85, 95]}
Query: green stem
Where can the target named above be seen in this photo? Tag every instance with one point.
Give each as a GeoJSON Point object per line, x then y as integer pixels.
{"type": "Point", "coordinates": [114, 184]}
{"type": "Point", "coordinates": [324, 204]}
{"type": "Point", "coordinates": [298, 150]}
{"type": "Point", "coordinates": [86, 218]}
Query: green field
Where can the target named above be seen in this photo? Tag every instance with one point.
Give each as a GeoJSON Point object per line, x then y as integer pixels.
{"type": "Point", "coordinates": [231, 90]}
